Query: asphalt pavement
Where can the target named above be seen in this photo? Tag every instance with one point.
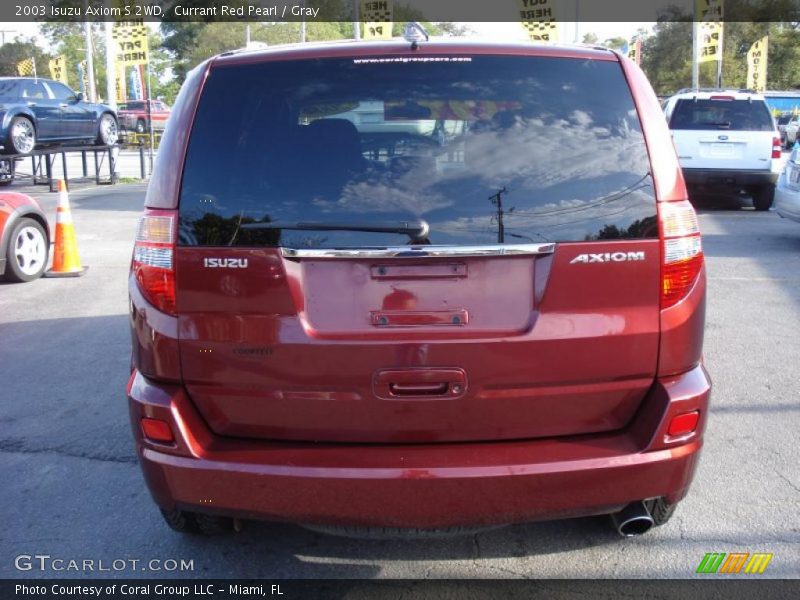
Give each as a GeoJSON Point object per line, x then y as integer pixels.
{"type": "Point", "coordinates": [72, 489]}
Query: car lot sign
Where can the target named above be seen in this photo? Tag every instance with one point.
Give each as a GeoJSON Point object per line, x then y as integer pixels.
{"type": "Point", "coordinates": [538, 17]}
{"type": "Point", "coordinates": [58, 70]}
{"type": "Point", "coordinates": [757, 65]}
{"type": "Point", "coordinates": [709, 13]}
{"type": "Point", "coordinates": [377, 18]}
{"type": "Point", "coordinates": [130, 38]}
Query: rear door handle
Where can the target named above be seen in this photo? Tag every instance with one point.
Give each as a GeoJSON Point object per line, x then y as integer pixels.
{"type": "Point", "coordinates": [419, 389]}
{"type": "Point", "coordinates": [63, 105]}
{"type": "Point", "coordinates": [420, 383]}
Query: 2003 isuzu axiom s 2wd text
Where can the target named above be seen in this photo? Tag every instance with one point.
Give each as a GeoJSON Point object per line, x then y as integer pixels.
{"type": "Point", "coordinates": [416, 286]}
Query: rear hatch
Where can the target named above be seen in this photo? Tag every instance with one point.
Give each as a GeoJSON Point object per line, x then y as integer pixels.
{"type": "Point", "coordinates": [722, 132]}
{"type": "Point", "coordinates": [492, 276]}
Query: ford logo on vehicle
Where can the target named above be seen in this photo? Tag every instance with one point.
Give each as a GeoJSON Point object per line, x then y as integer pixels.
{"type": "Point", "coordinates": [723, 137]}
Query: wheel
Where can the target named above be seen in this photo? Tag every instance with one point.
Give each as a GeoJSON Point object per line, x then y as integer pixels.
{"type": "Point", "coordinates": [763, 197]}
{"type": "Point", "coordinates": [7, 171]}
{"type": "Point", "coordinates": [140, 128]}
{"type": "Point", "coordinates": [660, 510]}
{"type": "Point", "coordinates": [21, 136]}
{"type": "Point", "coordinates": [107, 132]}
{"type": "Point", "coordinates": [188, 522]}
{"type": "Point", "coordinates": [26, 256]}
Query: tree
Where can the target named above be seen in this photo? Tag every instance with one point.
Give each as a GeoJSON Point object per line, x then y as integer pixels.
{"type": "Point", "coordinates": [590, 38]}
{"type": "Point", "coordinates": [67, 38]}
{"type": "Point", "coordinates": [20, 49]}
{"type": "Point", "coordinates": [615, 42]}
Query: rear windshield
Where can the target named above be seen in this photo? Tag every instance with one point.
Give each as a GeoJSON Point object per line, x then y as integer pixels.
{"type": "Point", "coordinates": [334, 153]}
{"type": "Point", "coordinates": [733, 115]}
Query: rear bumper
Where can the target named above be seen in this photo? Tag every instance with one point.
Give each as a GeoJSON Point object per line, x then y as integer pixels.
{"type": "Point", "coordinates": [728, 177]}
{"type": "Point", "coordinates": [419, 485]}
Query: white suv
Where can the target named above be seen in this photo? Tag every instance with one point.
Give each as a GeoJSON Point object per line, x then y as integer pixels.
{"type": "Point", "coordinates": [726, 141]}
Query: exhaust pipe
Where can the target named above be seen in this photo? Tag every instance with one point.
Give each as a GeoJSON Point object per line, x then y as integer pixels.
{"type": "Point", "coordinates": [632, 520]}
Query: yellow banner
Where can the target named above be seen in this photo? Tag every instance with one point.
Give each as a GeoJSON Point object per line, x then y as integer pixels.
{"type": "Point", "coordinates": [121, 84]}
{"type": "Point", "coordinates": [709, 14]}
{"type": "Point", "coordinates": [130, 39]}
{"type": "Point", "coordinates": [635, 51]}
{"type": "Point", "coordinates": [58, 69]}
{"type": "Point", "coordinates": [538, 17]}
{"type": "Point", "coordinates": [27, 67]}
{"type": "Point", "coordinates": [377, 18]}
{"type": "Point", "coordinates": [757, 58]}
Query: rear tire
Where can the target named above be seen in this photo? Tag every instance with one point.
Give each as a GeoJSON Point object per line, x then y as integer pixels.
{"type": "Point", "coordinates": [661, 511]}
{"type": "Point", "coordinates": [195, 523]}
{"type": "Point", "coordinates": [180, 521]}
{"type": "Point", "coordinates": [107, 131]}
{"type": "Point", "coordinates": [27, 251]}
{"type": "Point", "coordinates": [763, 197]}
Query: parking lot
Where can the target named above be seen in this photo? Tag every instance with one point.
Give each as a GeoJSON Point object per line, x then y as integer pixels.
{"type": "Point", "coordinates": [72, 488]}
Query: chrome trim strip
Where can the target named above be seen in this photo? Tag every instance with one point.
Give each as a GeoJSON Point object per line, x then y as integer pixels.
{"type": "Point", "coordinates": [421, 251]}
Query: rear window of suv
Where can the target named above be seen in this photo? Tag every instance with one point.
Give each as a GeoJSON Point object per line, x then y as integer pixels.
{"type": "Point", "coordinates": [732, 115]}
{"type": "Point", "coordinates": [317, 153]}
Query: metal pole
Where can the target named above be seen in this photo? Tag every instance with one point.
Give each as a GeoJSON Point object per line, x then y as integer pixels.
{"type": "Point", "coordinates": [497, 200]}
{"type": "Point", "coordinates": [356, 21]}
{"type": "Point", "coordinates": [111, 68]}
{"type": "Point", "coordinates": [577, 23]}
{"type": "Point", "coordinates": [719, 62]}
{"type": "Point", "coordinates": [695, 64]}
{"type": "Point", "coordinates": [87, 34]}
{"type": "Point", "coordinates": [149, 119]}
{"type": "Point", "coordinates": [303, 26]}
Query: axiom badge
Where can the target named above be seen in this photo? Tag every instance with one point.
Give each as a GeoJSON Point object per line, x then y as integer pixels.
{"type": "Point", "coordinates": [228, 263]}
{"type": "Point", "coordinates": [607, 257]}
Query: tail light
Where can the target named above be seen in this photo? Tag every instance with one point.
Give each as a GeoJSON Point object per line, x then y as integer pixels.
{"type": "Point", "coordinates": [153, 264]}
{"type": "Point", "coordinates": [776, 147]}
{"type": "Point", "coordinates": [157, 430]}
{"type": "Point", "coordinates": [682, 252]}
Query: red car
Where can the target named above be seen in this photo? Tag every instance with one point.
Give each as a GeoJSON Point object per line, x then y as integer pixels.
{"type": "Point", "coordinates": [24, 238]}
{"type": "Point", "coordinates": [133, 115]}
{"type": "Point", "coordinates": [498, 326]}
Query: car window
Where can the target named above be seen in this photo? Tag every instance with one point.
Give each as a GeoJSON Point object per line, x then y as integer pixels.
{"type": "Point", "coordinates": [9, 89]}
{"type": "Point", "coordinates": [381, 141]}
{"type": "Point", "coordinates": [34, 90]}
{"type": "Point", "coordinates": [60, 91]}
{"type": "Point", "coordinates": [733, 115]}
{"type": "Point", "coordinates": [784, 119]}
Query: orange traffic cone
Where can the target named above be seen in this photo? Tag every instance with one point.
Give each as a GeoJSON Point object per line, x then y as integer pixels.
{"type": "Point", "coordinates": [66, 262]}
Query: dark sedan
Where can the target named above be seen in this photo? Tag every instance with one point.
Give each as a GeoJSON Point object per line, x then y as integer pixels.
{"type": "Point", "coordinates": [37, 112]}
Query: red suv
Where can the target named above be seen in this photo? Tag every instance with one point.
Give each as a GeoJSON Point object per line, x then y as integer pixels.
{"type": "Point", "coordinates": [479, 302]}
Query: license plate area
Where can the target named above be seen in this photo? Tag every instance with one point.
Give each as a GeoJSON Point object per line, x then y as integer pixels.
{"type": "Point", "coordinates": [408, 318]}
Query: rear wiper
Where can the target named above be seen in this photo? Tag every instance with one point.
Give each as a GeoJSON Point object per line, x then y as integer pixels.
{"type": "Point", "coordinates": [720, 124]}
{"type": "Point", "coordinates": [416, 230]}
